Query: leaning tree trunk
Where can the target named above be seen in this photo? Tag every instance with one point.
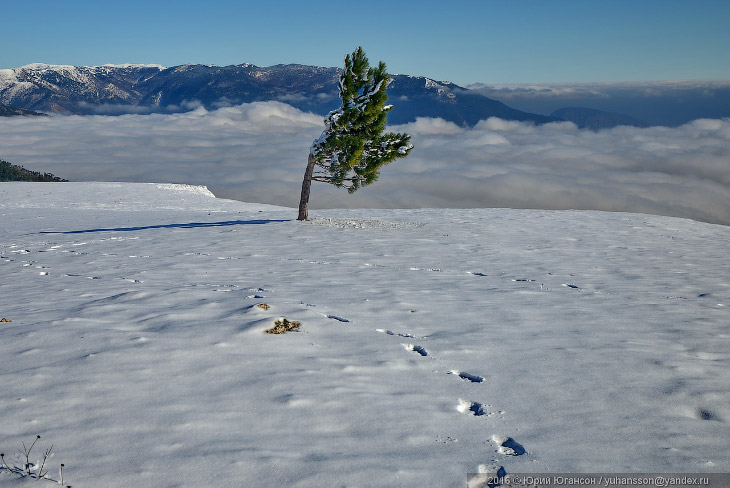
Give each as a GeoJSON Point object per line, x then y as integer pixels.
{"type": "Point", "coordinates": [306, 185]}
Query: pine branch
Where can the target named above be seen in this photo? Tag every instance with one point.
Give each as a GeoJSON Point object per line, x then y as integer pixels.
{"type": "Point", "coordinates": [352, 146]}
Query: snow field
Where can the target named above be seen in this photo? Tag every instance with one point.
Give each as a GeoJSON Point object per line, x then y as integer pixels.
{"type": "Point", "coordinates": [433, 342]}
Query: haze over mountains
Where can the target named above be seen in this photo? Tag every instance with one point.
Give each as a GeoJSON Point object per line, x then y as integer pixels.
{"type": "Point", "coordinates": [665, 103]}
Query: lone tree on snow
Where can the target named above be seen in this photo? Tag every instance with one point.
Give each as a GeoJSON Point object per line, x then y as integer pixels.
{"type": "Point", "coordinates": [353, 147]}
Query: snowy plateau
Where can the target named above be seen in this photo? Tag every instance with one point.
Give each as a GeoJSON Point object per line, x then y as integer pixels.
{"type": "Point", "coordinates": [433, 343]}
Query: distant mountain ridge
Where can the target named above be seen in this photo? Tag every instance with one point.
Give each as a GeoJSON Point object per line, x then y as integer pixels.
{"type": "Point", "coordinates": [658, 103]}
{"type": "Point", "coordinates": [591, 118]}
{"type": "Point", "coordinates": [6, 111]}
{"type": "Point", "coordinates": [112, 89]}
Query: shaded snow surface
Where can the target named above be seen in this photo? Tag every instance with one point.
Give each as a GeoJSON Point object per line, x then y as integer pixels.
{"type": "Point", "coordinates": [135, 347]}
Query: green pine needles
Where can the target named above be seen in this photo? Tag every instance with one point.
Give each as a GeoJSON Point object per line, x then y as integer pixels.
{"type": "Point", "coordinates": [353, 147]}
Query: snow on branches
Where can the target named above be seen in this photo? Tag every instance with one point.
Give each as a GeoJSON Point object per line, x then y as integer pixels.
{"type": "Point", "coordinates": [352, 146]}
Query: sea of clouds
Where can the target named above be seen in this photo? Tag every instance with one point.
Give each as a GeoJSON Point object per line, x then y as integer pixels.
{"type": "Point", "coordinates": [258, 152]}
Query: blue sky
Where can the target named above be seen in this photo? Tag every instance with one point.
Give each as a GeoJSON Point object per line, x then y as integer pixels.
{"type": "Point", "coordinates": [464, 41]}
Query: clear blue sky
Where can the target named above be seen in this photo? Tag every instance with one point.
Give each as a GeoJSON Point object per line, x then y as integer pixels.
{"type": "Point", "coordinates": [464, 41]}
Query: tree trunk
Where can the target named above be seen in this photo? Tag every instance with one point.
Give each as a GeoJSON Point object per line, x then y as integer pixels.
{"type": "Point", "coordinates": [306, 184]}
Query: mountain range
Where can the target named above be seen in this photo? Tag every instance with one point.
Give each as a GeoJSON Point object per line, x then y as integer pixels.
{"type": "Point", "coordinates": [656, 103]}
{"type": "Point", "coordinates": [590, 118]}
{"type": "Point", "coordinates": [119, 89]}
{"type": "Point", "coordinates": [6, 111]}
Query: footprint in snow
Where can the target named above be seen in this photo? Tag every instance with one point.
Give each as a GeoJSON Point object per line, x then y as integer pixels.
{"type": "Point", "coordinates": [473, 408]}
{"type": "Point", "coordinates": [390, 332]}
{"type": "Point", "coordinates": [328, 315]}
{"type": "Point", "coordinates": [417, 349]}
{"type": "Point", "coordinates": [508, 446]}
{"type": "Point", "coordinates": [257, 292]}
{"type": "Point", "coordinates": [705, 414]}
{"type": "Point", "coordinates": [467, 376]}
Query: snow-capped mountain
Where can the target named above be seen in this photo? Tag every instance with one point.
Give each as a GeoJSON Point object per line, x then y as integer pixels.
{"type": "Point", "coordinates": [115, 89]}
{"type": "Point", "coordinates": [60, 88]}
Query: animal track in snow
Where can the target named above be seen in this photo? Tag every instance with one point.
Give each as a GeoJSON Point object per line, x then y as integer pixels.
{"type": "Point", "coordinates": [224, 288]}
{"type": "Point", "coordinates": [446, 439]}
{"type": "Point", "coordinates": [473, 408]}
{"type": "Point", "coordinates": [390, 332]}
{"type": "Point", "coordinates": [705, 414]}
{"type": "Point", "coordinates": [467, 376]}
{"type": "Point", "coordinates": [257, 293]}
{"type": "Point", "coordinates": [415, 348]}
{"type": "Point", "coordinates": [508, 446]}
{"type": "Point", "coordinates": [327, 315]}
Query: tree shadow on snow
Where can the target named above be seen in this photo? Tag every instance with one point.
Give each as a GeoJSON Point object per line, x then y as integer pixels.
{"type": "Point", "coordinates": [188, 225]}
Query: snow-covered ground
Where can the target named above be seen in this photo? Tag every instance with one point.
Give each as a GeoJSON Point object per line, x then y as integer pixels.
{"type": "Point", "coordinates": [431, 341]}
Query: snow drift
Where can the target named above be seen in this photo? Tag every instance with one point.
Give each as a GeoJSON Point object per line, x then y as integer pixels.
{"type": "Point", "coordinates": [433, 343]}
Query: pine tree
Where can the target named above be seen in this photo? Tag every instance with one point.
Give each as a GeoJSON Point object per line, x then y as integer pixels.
{"type": "Point", "coordinates": [353, 147]}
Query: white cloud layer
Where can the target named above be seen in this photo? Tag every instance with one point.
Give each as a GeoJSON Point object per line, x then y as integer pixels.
{"type": "Point", "coordinates": [257, 152]}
